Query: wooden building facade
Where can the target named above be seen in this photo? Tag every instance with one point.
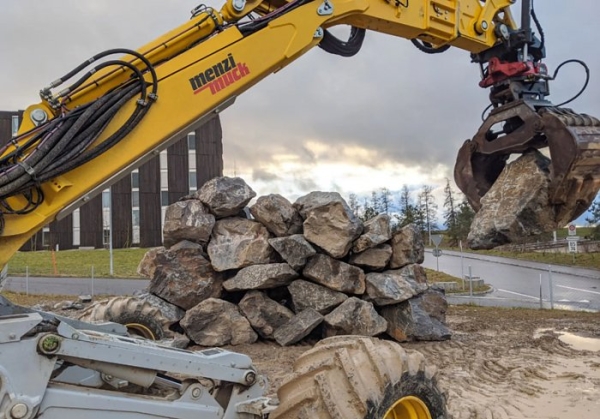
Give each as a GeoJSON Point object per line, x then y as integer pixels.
{"type": "Point", "coordinates": [136, 204]}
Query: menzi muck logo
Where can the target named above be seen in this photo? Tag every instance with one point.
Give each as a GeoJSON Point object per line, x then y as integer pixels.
{"type": "Point", "coordinates": [219, 76]}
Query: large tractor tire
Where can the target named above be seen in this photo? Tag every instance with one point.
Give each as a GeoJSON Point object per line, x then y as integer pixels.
{"type": "Point", "coordinates": [139, 316]}
{"type": "Point", "coordinates": [351, 377]}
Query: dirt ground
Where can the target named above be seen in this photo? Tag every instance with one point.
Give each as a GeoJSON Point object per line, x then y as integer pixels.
{"type": "Point", "coordinates": [500, 363]}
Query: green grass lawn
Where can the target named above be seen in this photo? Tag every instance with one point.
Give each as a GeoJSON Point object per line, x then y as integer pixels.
{"type": "Point", "coordinates": [78, 263]}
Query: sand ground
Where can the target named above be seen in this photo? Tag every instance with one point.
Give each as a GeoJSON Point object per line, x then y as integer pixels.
{"type": "Point", "coordinates": [500, 363]}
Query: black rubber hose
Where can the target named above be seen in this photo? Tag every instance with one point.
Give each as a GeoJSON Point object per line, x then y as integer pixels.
{"type": "Point", "coordinates": [103, 54]}
{"type": "Point", "coordinates": [428, 48]}
{"type": "Point", "coordinates": [348, 48]}
{"type": "Point", "coordinates": [585, 85]}
{"type": "Point", "coordinates": [119, 63]}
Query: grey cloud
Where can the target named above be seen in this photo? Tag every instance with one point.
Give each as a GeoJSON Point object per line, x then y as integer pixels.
{"type": "Point", "coordinates": [263, 175]}
{"type": "Point", "coordinates": [409, 107]}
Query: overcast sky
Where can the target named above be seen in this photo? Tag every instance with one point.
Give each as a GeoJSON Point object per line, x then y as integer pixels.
{"type": "Point", "coordinates": [387, 117]}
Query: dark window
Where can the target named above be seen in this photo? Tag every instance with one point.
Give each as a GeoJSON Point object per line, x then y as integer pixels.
{"type": "Point", "coordinates": [135, 199]}
{"type": "Point", "coordinates": [191, 137]}
{"type": "Point", "coordinates": [193, 183]}
{"type": "Point", "coordinates": [164, 198]}
{"type": "Point", "coordinates": [135, 180]}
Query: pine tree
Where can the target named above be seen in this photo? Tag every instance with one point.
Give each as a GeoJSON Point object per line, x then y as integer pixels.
{"type": "Point", "coordinates": [353, 204]}
{"type": "Point", "coordinates": [595, 218]}
{"type": "Point", "coordinates": [368, 212]}
{"type": "Point", "coordinates": [464, 219]}
{"type": "Point", "coordinates": [407, 209]}
{"type": "Point", "coordinates": [428, 207]}
{"type": "Point", "coordinates": [450, 213]}
{"type": "Point", "coordinates": [385, 200]}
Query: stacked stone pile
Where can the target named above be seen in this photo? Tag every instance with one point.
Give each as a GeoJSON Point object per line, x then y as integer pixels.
{"type": "Point", "coordinates": [285, 272]}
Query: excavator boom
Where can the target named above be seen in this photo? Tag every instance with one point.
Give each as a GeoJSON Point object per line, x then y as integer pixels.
{"type": "Point", "coordinates": [107, 121]}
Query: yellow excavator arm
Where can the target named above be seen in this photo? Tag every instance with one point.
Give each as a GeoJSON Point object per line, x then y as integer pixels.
{"type": "Point", "coordinates": [93, 127]}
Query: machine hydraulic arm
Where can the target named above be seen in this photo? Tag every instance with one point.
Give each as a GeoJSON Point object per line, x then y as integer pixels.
{"type": "Point", "coordinates": [94, 126]}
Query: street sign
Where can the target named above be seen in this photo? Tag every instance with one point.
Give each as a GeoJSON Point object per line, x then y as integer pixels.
{"type": "Point", "coordinates": [573, 238]}
{"type": "Point", "coordinates": [436, 239]}
{"type": "Point", "coordinates": [437, 252]}
{"type": "Point", "coordinates": [572, 230]}
{"type": "Point", "coordinates": [572, 246]}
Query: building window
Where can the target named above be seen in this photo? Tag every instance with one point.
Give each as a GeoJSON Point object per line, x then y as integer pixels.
{"type": "Point", "coordinates": [15, 125]}
{"type": "Point", "coordinates": [135, 180]}
{"type": "Point", "coordinates": [76, 228]}
{"type": "Point", "coordinates": [193, 182]}
{"type": "Point", "coordinates": [163, 160]}
{"type": "Point", "coordinates": [135, 217]}
{"type": "Point", "coordinates": [191, 140]}
{"type": "Point", "coordinates": [164, 179]}
{"type": "Point", "coordinates": [135, 198]}
{"type": "Point", "coordinates": [106, 199]}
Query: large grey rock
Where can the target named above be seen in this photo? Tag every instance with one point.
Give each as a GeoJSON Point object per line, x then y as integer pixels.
{"type": "Point", "coordinates": [258, 277]}
{"type": "Point", "coordinates": [216, 322]}
{"type": "Point", "coordinates": [388, 288]}
{"type": "Point", "coordinates": [335, 274]}
{"type": "Point", "coordinates": [183, 276]}
{"type": "Point", "coordinates": [354, 317]}
{"type": "Point", "coordinates": [407, 247]}
{"type": "Point", "coordinates": [293, 249]}
{"type": "Point", "coordinates": [376, 231]}
{"type": "Point", "coordinates": [298, 327]}
{"type": "Point", "coordinates": [264, 314]}
{"type": "Point", "coordinates": [308, 295]}
{"type": "Point", "coordinates": [277, 214]}
{"type": "Point", "coordinates": [168, 310]}
{"type": "Point", "coordinates": [147, 265]}
{"type": "Point", "coordinates": [435, 303]}
{"type": "Point", "coordinates": [237, 243]}
{"type": "Point", "coordinates": [187, 220]}
{"type": "Point", "coordinates": [329, 222]}
{"type": "Point", "coordinates": [414, 272]}
{"type": "Point", "coordinates": [376, 258]}
{"type": "Point", "coordinates": [516, 205]}
{"type": "Point", "coordinates": [416, 319]}
{"type": "Point", "coordinates": [225, 196]}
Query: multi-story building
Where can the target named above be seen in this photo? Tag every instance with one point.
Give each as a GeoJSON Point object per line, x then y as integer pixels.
{"type": "Point", "coordinates": [134, 206]}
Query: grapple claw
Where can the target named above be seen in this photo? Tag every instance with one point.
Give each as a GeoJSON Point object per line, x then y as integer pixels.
{"type": "Point", "coordinates": [573, 141]}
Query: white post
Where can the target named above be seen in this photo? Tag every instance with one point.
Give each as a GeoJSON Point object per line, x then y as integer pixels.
{"type": "Point", "coordinates": [541, 301]}
{"type": "Point", "coordinates": [92, 281]}
{"type": "Point", "coordinates": [462, 268]}
{"type": "Point", "coordinates": [27, 280]}
{"type": "Point", "coordinates": [551, 287]}
{"type": "Point", "coordinates": [470, 282]}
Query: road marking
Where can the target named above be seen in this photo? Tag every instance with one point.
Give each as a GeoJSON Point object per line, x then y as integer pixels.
{"type": "Point", "coordinates": [578, 289]}
{"type": "Point", "coordinates": [522, 295]}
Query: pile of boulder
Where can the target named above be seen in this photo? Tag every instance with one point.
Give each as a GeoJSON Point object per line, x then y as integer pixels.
{"type": "Point", "coordinates": [233, 274]}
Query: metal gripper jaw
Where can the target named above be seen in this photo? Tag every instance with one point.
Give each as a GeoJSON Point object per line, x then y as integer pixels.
{"type": "Point", "coordinates": [573, 142]}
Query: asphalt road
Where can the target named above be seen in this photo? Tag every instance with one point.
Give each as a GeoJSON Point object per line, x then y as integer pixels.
{"type": "Point", "coordinates": [517, 283]}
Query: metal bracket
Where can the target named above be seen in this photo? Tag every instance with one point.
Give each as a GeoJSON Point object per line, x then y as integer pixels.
{"type": "Point", "coordinates": [325, 9]}
{"type": "Point", "coordinates": [319, 33]}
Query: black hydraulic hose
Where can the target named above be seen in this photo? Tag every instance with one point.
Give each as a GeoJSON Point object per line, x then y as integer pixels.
{"type": "Point", "coordinates": [428, 48]}
{"type": "Point", "coordinates": [103, 54]}
{"type": "Point", "coordinates": [539, 28]}
{"type": "Point", "coordinates": [349, 48]}
{"type": "Point", "coordinates": [109, 142]}
{"type": "Point", "coordinates": [90, 73]}
{"type": "Point", "coordinates": [585, 85]}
